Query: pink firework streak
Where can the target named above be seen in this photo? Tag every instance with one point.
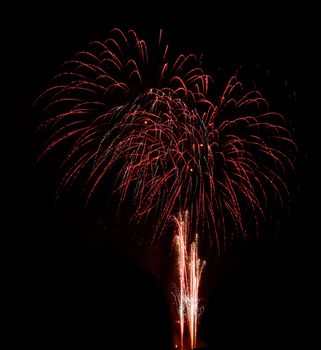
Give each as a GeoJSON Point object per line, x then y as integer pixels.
{"type": "Point", "coordinates": [144, 128]}
{"type": "Point", "coordinates": [190, 268]}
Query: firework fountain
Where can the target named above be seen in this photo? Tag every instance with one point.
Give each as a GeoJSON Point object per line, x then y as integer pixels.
{"type": "Point", "coordinates": [190, 268]}
{"type": "Point", "coordinates": [144, 128]}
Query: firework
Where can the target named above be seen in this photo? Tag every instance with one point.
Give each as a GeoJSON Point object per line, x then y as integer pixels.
{"type": "Point", "coordinates": [190, 268]}
{"type": "Point", "coordinates": [144, 128]}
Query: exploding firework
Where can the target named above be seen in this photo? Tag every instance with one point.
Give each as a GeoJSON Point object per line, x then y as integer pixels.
{"type": "Point", "coordinates": [144, 128]}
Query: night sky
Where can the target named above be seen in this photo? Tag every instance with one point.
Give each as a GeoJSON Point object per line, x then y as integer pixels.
{"type": "Point", "coordinates": [73, 284]}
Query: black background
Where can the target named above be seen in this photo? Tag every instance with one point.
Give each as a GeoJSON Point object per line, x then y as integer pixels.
{"type": "Point", "coordinates": [62, 289]}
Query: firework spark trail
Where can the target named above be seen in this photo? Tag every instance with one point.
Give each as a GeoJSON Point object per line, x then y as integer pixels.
{"type": "Point", "coordinates": [195, 272]}
{"type": "Point", "coordinates": [190, 268]}
{"type": "Point", "coordinates": [181, 244]}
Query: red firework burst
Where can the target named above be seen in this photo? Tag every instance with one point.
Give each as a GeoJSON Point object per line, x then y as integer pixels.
{"type": "Point", "coordinates": [145, 127]}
